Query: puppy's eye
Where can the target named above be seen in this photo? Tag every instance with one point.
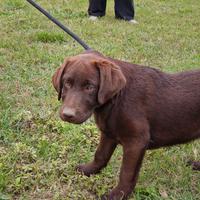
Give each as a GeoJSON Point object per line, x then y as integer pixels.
{"type": "Point", "coordinates": [68, 84]}
{"type": "Point", "coordinates": [89, 88]}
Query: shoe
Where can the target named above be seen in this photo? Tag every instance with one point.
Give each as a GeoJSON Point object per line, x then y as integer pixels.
{"type": "Point", "coordinates": [132, 21]}
{"type": "Point", "coordinates": [93, 18]}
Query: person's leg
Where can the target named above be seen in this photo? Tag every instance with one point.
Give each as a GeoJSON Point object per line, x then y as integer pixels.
{"type": "Point", "coordinates": [97, 8]}
{"type": "Point", "coordinates": [124, 9]}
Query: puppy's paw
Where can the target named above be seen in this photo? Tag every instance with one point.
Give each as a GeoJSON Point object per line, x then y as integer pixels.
{"type": "Point", "coordinates": [115, 194]}
{"type": "Point", "coordinates": [87, 169]}
{"type": "Point", "coordinates": [195, 165]}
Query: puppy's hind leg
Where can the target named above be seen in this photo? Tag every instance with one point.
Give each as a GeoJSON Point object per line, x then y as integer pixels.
{"type": "Point", "coordinates": [195, 164]}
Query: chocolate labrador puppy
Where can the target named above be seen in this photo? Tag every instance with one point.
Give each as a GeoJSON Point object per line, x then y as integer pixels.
{"type": "Point", "coordinates": [138, 107]}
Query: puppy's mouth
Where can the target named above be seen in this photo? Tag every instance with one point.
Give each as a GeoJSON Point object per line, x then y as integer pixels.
{"type": "Point", "coordinates": [79, 119]}
{"type": "Point", "coordinates": [73, 121]}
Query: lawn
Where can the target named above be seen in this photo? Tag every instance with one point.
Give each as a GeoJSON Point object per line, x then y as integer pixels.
{"type": "Point", "coordinates": [38, 152]}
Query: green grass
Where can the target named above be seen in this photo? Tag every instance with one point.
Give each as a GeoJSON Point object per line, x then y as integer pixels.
{"type": "Point", "coordinates": [38, 152]}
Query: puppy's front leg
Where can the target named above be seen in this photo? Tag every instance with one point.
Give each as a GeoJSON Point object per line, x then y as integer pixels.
{"type": "Point", "coordinates": [133, 153]}
{"type": "Point", "coordinates": [103, 153]}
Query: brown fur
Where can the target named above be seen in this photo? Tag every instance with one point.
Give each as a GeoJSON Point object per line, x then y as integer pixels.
{"type": "Point", "coordinates": [138, 107]}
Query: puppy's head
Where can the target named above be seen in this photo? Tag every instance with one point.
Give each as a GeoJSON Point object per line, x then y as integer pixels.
{"type": "Point", "coordinates": [84, 82]}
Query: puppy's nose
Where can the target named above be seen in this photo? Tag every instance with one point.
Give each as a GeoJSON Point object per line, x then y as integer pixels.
{"type": "Point", "coordinates": [68, 112]}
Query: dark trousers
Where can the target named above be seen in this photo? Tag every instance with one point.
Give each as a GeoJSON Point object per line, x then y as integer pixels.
{"type": "Point", "coordinates": [124, 9]}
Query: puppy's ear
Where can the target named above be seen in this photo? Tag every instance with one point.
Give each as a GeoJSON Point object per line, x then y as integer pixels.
{"type": "Point", "coordinates": [112, 80]}
{"type": "Point", "coordinates": [57, 78]}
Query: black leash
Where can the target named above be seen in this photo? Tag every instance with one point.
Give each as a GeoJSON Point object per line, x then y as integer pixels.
{"type": "Point", "coordinates": [83, 44]}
